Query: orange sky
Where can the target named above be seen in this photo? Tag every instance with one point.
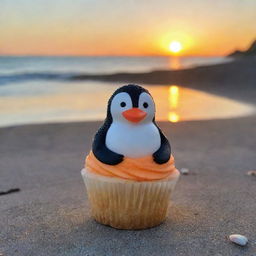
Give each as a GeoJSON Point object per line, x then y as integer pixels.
{"type": "Point", "coordinates": [102, 27]}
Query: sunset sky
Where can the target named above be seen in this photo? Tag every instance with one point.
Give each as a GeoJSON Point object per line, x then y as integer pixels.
{"type": "Point", "coordinates": [116, 27]}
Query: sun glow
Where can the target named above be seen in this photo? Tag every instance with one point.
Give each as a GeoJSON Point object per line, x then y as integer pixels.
{"type": "Point", "coordinates": [173, 99]}
{"type": "Point", "coordinates": [175, 47]}
{"type": "Point", "coordinates": [173, 117]}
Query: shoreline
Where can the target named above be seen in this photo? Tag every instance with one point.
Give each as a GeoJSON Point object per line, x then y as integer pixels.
{"type": "Point", "coordinates": [200, 74]}
{"type": "Point", "coordinates": [235, 79]}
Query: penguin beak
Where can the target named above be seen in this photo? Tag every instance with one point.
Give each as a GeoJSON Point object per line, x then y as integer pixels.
{"type": "Point", "coordinates": [134, 115]}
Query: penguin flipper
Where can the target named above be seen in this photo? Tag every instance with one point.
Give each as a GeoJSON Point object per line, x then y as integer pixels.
{"type": "Point", "coordinates": [106, 156]}
{"type": "Point", "coordinates": [162, 155]}
{"type": "Point", "coordinates": [100, 150]}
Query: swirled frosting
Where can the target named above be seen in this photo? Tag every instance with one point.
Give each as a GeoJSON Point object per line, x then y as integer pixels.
{"type": "Point", "coordinates": [137, 169]}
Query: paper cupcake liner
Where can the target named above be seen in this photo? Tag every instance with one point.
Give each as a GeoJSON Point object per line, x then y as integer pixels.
{"type": "Point", "coordinates": [126, 204]}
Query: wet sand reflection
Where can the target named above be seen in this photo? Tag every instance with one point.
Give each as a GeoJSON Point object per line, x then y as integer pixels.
{"type": "Point", "coordinates": [87, 101]}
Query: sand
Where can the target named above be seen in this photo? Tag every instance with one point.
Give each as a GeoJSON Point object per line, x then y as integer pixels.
{"type": "Point", "coordinates": [50, 215]}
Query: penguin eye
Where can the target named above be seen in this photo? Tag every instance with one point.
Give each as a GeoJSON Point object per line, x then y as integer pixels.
{"type": "Point", "coordinates": [145, 104]}
{"type": "Point", "coordinates": [122, 104]}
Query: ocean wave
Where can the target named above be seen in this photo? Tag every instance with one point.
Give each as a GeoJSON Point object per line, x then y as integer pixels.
{"type": "Point", "coordinates": [14, 78]}
{"type": "Point", "coordinates": [21, 77]}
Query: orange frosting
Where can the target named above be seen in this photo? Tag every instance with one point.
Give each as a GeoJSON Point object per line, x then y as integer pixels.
{"type": "Point", "coordinates": [138, 169]}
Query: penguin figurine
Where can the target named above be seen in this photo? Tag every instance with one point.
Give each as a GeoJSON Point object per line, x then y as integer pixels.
{"type": "Point", "coordinates": [129, 129]}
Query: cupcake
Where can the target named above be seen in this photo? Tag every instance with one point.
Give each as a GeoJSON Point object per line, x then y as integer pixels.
{"type": "Point", "coordinates": [130, 173]}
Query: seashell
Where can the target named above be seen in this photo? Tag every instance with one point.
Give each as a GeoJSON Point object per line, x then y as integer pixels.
{"type": "Point", "coordinates": [184, 171]}
{"type": "Point", "coordinates": [238, 239]}
{"type": "Point", "coordinates": [251, 173]}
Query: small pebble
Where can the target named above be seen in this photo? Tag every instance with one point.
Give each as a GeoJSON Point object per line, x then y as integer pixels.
{"type": "Point", "coordinates": [251, 173]}
{"type": "Point", "coordinates": [184, 171]}
{"type": "Point", "coordinates": [238, 239]}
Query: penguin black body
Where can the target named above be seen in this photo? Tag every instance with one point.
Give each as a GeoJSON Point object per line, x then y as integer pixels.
{"type": "Point", "coordinates": [129, 98]}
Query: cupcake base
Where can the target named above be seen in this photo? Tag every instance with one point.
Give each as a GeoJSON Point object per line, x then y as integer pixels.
{"type": "Point", "coordinates": [125, 204]}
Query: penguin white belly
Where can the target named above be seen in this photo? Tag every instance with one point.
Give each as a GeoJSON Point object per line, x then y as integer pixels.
{"type": "Point", "coordinates": [133, 141]}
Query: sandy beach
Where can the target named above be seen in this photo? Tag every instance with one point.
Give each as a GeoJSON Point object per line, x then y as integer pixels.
{"type": "Point", "coordinates": [50, 215]}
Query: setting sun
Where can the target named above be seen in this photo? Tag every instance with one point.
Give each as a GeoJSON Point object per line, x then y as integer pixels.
{"type": "Point", "coordinates": [175, 46]}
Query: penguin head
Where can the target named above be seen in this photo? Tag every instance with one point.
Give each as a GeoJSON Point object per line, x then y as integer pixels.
{"type": "Point", "coordinates": [131, 104]}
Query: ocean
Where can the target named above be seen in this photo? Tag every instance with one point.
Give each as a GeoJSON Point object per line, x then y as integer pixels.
{"type": "Point", "coordinates": [97, 65]}
{"type": "Point", "coordinates": [41, 89]}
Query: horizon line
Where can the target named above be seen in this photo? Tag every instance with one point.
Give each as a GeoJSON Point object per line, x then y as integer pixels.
{"type": "Point", "coordinates": [106, 55]}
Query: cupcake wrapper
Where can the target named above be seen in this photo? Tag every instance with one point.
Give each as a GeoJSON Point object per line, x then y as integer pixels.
{"type": "Point", "coordinates": [126, 204]}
